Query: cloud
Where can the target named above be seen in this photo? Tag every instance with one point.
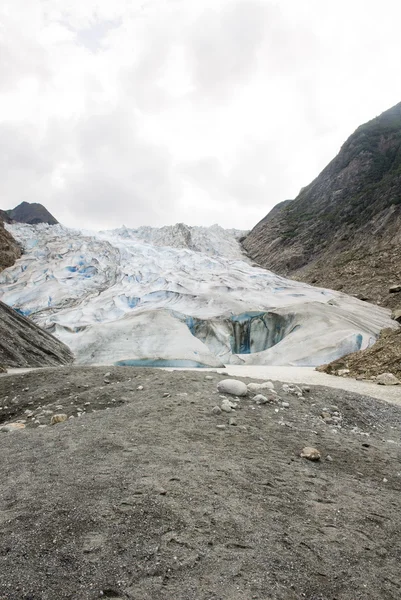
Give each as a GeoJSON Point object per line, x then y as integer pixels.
{"type": "Point", "coordinates": [165, 111]}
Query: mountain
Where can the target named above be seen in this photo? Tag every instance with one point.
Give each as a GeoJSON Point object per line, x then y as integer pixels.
{"type": "Point", "coordinates": [32, 213]}
{"type": "Point", "coordinates": [343, 231]}
{"type": "Point", "coordinates": [177, 296]}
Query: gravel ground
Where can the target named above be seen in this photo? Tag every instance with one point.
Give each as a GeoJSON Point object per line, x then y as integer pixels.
{"type": "Point", "coordinates": [149, 495]}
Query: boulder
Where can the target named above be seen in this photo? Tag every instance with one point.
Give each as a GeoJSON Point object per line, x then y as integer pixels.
{"type": "Point", "coordinates": [387, 379]}
{"type": "Point", "coordinates": [232, 387]}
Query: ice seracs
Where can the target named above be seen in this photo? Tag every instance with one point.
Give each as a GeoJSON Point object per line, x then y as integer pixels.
{"type": "Point", "coordinates": [178, 296]}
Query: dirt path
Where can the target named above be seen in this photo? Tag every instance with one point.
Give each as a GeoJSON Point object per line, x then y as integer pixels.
{"type": "Point", "coordinates": [151, 496]}
{"type": "Point", "coordinates": [310, 376]}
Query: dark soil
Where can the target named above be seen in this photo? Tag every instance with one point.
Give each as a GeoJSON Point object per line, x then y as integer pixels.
{"type": "Point", "coordinates": [144, 498]}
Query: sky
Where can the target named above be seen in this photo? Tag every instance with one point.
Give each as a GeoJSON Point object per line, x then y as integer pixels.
{"type": "Point", "coordinates": [153, 112]}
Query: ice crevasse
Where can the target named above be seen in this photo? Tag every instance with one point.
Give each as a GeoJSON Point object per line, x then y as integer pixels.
{"type": "Point", "coordinates": [177, 296]}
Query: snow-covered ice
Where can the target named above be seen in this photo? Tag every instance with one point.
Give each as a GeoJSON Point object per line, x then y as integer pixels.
{"type": "Point", "coordinates": [179, 296]}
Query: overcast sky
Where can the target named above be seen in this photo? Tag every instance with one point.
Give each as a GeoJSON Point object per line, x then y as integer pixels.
{"type": "Point", "coordinates": [152, 112]}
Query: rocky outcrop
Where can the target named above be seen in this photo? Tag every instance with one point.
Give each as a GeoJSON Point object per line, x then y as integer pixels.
{"type": "Point", "coordinates": [383, 357]}
{"type": "Point", "coordinates": [31, 213]}
{"type": "Point", "coordinates": [24, 344]}
{"type": "Point", "coordinates": [10, 250]}
{"type": "Point", "coordinates": [343, 231]}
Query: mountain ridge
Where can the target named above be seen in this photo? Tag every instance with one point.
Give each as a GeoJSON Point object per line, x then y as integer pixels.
{"type": "Point", "coordinates": [343, 230]}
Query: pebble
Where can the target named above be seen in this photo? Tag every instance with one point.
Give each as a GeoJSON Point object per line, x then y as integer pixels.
{"type": "Point", "coordinates": [220, 427]}
{"type": "Point", "coordinates": [260, 399]}
{"type": "Point", "coordinates": [60, 418]}
{"type": "Point", "coordinates": [232, 421]}
{"type": "Point", "coordinates": [216, 410]}
{"type": "Point", "coordinates": [226, 406]}
{"type": "Point", "coordinates": [232, 387]}
{"type": "Point", "coordinates": [258, 387]}
{"type": "Point", "coordinates": [12, 427]}
{"type": "Point", "coordinates": [329, 458]}
{"type": "Point", "coordinates": [140, 387]}
{"type": "Point", "coordinates": [310, 453]}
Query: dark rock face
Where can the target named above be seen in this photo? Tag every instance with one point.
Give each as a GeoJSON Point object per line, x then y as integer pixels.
{"type": "Point", "coordinates": [24, 344]}
{"type": "Point", "coordinates": [31, 213]}
{"type": "Point", "coordinates": [9, 248]}
{"type": "Point", "coordinates": [343, 231]}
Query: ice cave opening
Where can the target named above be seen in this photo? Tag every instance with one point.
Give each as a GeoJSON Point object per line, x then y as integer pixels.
{"type": "Point", "coordinates": [245, 333]}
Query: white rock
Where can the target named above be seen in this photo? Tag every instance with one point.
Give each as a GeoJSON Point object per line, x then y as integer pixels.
{"type": "Point", "coordinates": [232, 387]}
{"type": "Point", "coordinates": [226, 406]}
{"type": "Point", "coordinates": [260, 399]}
{"type": "Point", "coordinates": [387, 379]}
{"type": "Point", "coordinates": [258, 387]}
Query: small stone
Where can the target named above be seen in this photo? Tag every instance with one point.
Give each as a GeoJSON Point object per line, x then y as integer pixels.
{"type": "Point", "coordinates": [387, 379]}
{"type": "Point", "coordinates": [310, 453]}
{"type": "Point", "coordinates": [60, 418]}
{"type": "Point", "coordinates": [342, 372]}
{"type": "Point", "coordinates": [258, 387]}
{"type": "Point", "coordinates": [329, 458]}
{"type": "Point", "coordinates": [394, 289]}
{"type": "Point", "coordinates": [305, 389]}
{"type": "Point", "coordinates": [232, 421]}
{"type": "Point", "coordinates": [226, 406]}
{"type": "Point", "coordinates": [220, 427]}
{"type": "Point", "coordinates": [216, 410]}
{"type": "Point", "coordinates": [12, 427]}
{"type": "Point", "coordinates": [232, 387]}
{"type": "Point", "coordinates": [166, 395]}
{"type": "Point", "coordinates": [162, 492]}
{"type": "Point", "coordinates": [140, 387]}
{"type": "Point", "coordinates": [108, 374]}
{"type": "Point", "coordinates": [209, 377]}
{"type": "Point", "coordinates": [260, 399]}
{"type": "Point", "coordinates": [285, 404]}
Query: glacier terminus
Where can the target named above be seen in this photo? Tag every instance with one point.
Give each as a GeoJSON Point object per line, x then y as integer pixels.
{"type": "Point", "coordinates": [177, 296]}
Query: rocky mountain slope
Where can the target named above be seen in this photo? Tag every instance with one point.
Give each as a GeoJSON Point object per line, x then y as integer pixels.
{"type": "Point", "coordinates": [24, 344]}
{"type": "Point", "coordinates": [31, 213]}
{"type": "Point", "coordinates": [10, 250]}
{"type": "Point", "coordinates": [343, 231]}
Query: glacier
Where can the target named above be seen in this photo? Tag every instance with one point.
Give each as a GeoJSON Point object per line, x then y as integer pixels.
{"type": "Point", "coordinates": [177, 296]}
